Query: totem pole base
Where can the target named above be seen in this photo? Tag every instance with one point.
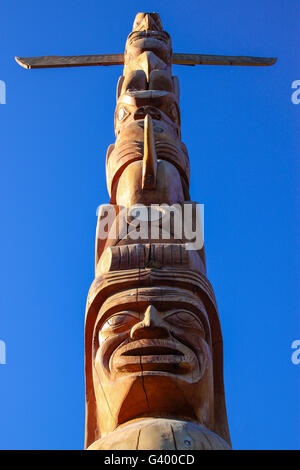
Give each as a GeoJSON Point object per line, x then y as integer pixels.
{"type": "Point", "coordinates": [160, 434]}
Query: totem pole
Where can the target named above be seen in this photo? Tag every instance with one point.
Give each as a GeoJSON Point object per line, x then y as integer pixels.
{"type": "Point", "coordinates": [153, 342]}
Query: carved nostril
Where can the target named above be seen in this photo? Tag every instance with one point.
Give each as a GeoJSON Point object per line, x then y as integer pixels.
{"type": "Point", "coordinates": [143, 331]}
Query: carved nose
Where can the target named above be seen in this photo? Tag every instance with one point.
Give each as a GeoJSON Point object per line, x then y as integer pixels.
{"type": "Point", "coordinates": [150, 326]}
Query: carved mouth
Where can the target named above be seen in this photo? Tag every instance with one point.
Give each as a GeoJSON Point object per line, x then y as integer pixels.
{"type": "Point", "coordinates": [149, 34]}
{"type": "Point", "coordinates": [148, 355]}
{"type": "Point", "coordinates": [152, 351]}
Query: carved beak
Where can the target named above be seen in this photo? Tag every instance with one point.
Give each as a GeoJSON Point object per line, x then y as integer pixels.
{"type": "Point", "coordinates": [150, 158]}
{"type": "Point", "coordinates": [148, 23]}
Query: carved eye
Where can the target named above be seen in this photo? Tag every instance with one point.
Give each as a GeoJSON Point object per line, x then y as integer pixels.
{"type": "Point", "coordinates": [116, 324]}
{"type": "Point", "coordinates": [117, 321]}
{"type": "Point", "coordinates": [122, 114]}
{"type": "Point", "coordinates": [186, 320]}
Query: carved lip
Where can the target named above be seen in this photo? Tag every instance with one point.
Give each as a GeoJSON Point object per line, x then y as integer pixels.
{"type": "Point", "coordinates": [151, 347]}
{"type": "Point", "coordinates": [152, 351]}
{"type": "Point", "coordinates": [149, 34]}
{"type": "Point", "coordinates": [153, 355]}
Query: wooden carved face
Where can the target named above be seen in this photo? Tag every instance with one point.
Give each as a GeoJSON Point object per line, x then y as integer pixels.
{"type": "Point", "coordinates": [162, 106]}
{"type": "Point", "coordinates": [147, 34]}
{"type": "Point", "coordinates": [152, 357]}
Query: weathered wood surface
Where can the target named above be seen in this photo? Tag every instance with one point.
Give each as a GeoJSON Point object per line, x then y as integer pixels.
{"type": "Point", "coordinates": [204, 59]}
{"type": "Point", "coordinates": [69, 61]}
{"type": "Point", "coordinates": [118, 59]}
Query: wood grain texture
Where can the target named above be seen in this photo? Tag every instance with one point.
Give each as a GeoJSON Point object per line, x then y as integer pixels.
{"type": "Point", "coordinates": [69, 61]}
{"type": "Point", "coordinates": [204, 59]}
{"type": "Point", "coordinates": [118, 59]}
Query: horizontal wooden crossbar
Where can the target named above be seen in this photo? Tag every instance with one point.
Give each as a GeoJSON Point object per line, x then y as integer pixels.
{"type": "Point", "coordinates": [118, 59]}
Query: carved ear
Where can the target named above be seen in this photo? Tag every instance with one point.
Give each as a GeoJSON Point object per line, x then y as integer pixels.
{"type": "Point", "coordinates": [150, 158]}
{"type": "Point", "coordinates": [176, 88]}
{"type": "Point", "coordinates": [119, 87]}
{"type": "Point", "coordinates": [108, 181]}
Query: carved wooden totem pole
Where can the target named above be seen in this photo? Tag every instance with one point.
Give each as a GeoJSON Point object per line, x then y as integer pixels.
{"type": "Point", "coordinates": [153, 342]}
{"type": "Point", "coordinates": [154, 372]}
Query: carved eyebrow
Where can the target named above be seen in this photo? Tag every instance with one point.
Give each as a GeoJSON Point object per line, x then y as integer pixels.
{"type": "Point", "coordinates": [179, 310]}
{"type": "Point", "coordinates": [136, 310]}
{"type": "Point", "coordinates": [135, 304]}
{"type": "Point", "coordinates": [129, 313]}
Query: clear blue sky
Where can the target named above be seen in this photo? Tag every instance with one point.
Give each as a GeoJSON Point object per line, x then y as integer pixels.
{"type": "Point", "coordinates": [242, 133]}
